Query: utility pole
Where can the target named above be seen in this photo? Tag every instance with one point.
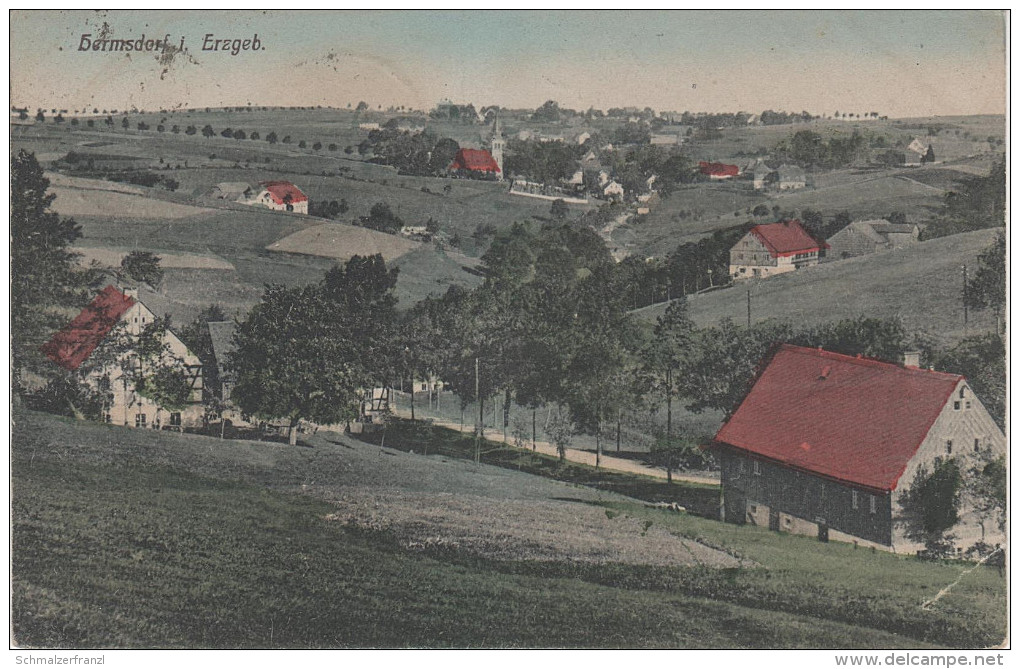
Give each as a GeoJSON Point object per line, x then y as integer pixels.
{"type": "Point", "coordinates": [748, 307]}
{"type": "Point", "coordinates": [965, 297]}
{"type": "Point", "coordinates": [481, 417]}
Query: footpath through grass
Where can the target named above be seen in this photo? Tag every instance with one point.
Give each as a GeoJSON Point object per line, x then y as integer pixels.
{"type": "Point", "coordinates": [129, 538]}
{"type": "Point", "coordinates": [422, 437]}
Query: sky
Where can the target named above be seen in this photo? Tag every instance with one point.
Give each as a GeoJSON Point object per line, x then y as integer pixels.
{"type": "Point", "coordinates": [910, 63]}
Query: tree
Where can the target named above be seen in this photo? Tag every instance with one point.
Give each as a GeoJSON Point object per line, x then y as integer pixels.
{"type": "Point", "coordinates": [362, 106]}
{"type": "Point", "coordinates": [984, 489]}
{"type": "Point", "coordinates": [306, 353]}
{"type": "Point", "coordinates": [560, 430]}
{"type": "Point", "coordinates": [142, 266]}
{"type": "Point", "coordinates": [240, 134]}
{"type": "Point", "coordinates": [40, 116]}
{"type": "Point", "coordinates": [317, 146]}
{"type": "Point", "coordinates": [987, 290]}
{"type": "Point", "coordinates": [930, 507]}
{"type": "Point", "coordinates": [559, 209]}
{"type": "Point", "coordinates": [929, 156]}
{"type": "Point", "coordinates": [190, 130]}
{"type": "Point", "coordinates": [43, 272]}
{"type": "Point", "coordinates": [286, 139]}
{"type": "Point", "coordinates": [760, 211]}
{"type": "Point", "coordinates": [382, 218]}
{"type": "Point", "coordinates": [271, 137]}
{"type": "Point", "coordinates": [979, 203]}
{"type": "Point", "coordinates": [208, 131]}
{"type": "Point", "coordinates": [667, 353]}
{"type": "Point", "coordinates": [302, 144]}
{"type": "Point", "coordinates": [549, 112]}
{"type": "Point", "coordinates": [176, 129]}
{"type": "Point", "coordinates": [254, 136]}
{"type": "Point", "coordinates": [227, 133]}
{"type": "Point", "coordinates": [160, 128]}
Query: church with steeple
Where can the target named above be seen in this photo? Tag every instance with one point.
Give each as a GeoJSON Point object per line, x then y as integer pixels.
{"type": "Point", "coordinates": [496, 146]}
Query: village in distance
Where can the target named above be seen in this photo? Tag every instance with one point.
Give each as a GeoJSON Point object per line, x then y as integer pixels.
{"type": "Point", "coordinates": [372, 376]}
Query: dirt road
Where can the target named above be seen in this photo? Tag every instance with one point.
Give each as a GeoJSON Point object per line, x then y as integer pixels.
{"type": "Point", "coordinates": [583, 457]}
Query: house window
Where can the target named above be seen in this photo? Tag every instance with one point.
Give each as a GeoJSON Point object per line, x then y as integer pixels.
{"type": "Point", "coordinates": [742, 467]}
{"type": "Point", "coordinates": [938, 461]}
{"type": "Point", "coordinates": [853, 499]}
{"type": "Point", "coordinates": [757, 468]}
{"type": "Point", "coordinates": [949, 447]}
{"type": "Point", "coordinates": [966, 405]}
{"type": "Point", "coordinates": [956, 405]}
{"type": "Point", "coordinates": [977, 445]}
{"type": "Point", "coordinates": [424, 387]}
{"type": "Point", "coordinates": [754, 509]}
{"type": "Point", "coordinates": [139, 420]}
{"type": "Point", "coordinates": [963, 391]}
{"type": "Point", "coordinates": [175, 419]}
{"type": "Point", "coordinates": [873, 501]}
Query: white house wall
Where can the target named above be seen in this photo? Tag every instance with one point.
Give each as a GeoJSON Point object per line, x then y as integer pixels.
{"type": "Point", "coordinates": [962, 427]}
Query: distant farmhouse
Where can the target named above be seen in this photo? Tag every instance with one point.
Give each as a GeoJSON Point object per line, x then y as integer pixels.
{"type": "Point", "coordinates": [785, 177]}
{"type": "Point", "coordinates": [827, 444]}
{"type": "Point", "coordinates": [233, 191]}
{"type": "Point", "coordinates": [789, 177]}
{"type": "Point", "coordinates": [864, 237]}
{"type": "Point", "coordinates": [717, 171]}
{"type": "Point", "coordinates": [110, 314]}
{"type": "Point", "coordinates": [774, 248]}
{"type": "Point", "coordinates": [281, 196]}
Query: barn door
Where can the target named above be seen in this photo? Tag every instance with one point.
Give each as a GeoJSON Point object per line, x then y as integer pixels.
{"type": "Point", "coordinates": [823, 532]}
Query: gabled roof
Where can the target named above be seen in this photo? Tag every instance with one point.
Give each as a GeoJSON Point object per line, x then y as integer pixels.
{"type": "Point", "coordinates": [788, 172]}
{"type": "Point", "coordinates": [74, 343]}
{"type": "Point", "coordinates": [279, 190]}
{"type": "Point", "coordinates": [476, 160]}
{"type": "Point", "coordinates": [786, 238]}
{"type": "Point", "coordinates": [856, 420]}
{"type": "Point", "coordinates": [718, 169]}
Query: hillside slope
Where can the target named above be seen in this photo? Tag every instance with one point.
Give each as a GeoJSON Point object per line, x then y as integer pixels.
{"type": "Point", "coordinates": [921, 285]}
{"type": "Point", "coordinates": [134, 538]}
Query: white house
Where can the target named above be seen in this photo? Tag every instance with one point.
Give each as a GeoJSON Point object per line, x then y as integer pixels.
{"type": "Point", "coordinates": [613, 191]}
{"type": "Point", "coordinates": [281, 196]}
{"type": "Point", "coordinates": [99, 345]}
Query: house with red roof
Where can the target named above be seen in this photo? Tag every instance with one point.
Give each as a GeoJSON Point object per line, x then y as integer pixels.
{"type": "Point", "coordinates": [98, 346]}
{"type": "Point", "coordinates": [716, 171]}
{"type": "Point", "coordinates": [281, 196]}
{"type": "Point", "coordinates": [774, 248]}
{"type": "Point", "coordinates": [827, 444]}
{"type": "Point", "coordinates": [475, 163]}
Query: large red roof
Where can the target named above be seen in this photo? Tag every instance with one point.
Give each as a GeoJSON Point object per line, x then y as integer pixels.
{"type": "Point", "coordinates": [73, 344]}
{"type": "Point", "coordinates": [786, 238]}
{"type": "Point", "coordinates": [279, 190]}
{"type": "Point", "coordinates": [718, 169]}
{"type": "Point", "coordinates": [476, 160]}
{"type": "Point", "coordinates": [856, 420]}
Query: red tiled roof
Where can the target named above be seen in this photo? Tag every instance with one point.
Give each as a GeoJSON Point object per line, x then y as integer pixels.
{"type": "Point", "coordinates": [718, 169]}
{"type": "Point", "coordinates": [856, 420]}
{"type": "Point", "coordinates": [279, 190]}
{"type": "Point", "coordinates": [786, 238]}
{"type": "Point", "coordinates": [74, 343]}
{"type": "Point", "coordinates": [476, 160]}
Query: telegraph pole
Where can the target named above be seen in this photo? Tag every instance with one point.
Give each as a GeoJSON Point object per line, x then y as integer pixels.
{"type": "Point", "coordinates": [965, 297]}
{"type": "Point", "coordinates": [481, 416]}
{"type": "Point", "coordinates": [748, 307]}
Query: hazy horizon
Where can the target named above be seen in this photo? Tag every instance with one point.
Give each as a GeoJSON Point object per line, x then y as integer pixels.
{"type": "Point", "coordinates": [900, 64]}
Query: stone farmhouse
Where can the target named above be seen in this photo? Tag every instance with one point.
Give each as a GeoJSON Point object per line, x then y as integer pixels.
{"type": "Point", "coordinates": [826, 444]}
{"type": "Point", "coordinates": [774, 248]}
{"type": "Point", "coordinates": [864, 237]}
{"type": "Point", "coordinates": [281, 196]}
{"type": "Point", "coordinates": [112, 314]}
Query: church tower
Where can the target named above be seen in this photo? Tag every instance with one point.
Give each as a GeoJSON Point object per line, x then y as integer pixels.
{"type": "Point", "coordinates": [497, 145]}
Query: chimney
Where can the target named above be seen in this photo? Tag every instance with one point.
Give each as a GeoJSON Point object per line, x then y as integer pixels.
{"type": "Point", "coordinates": [131, 292]}
{"type": "Point", "coordinates": [912, 359]}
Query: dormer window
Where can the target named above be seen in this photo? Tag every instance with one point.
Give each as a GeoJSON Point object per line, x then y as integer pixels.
{"type": "Point", "coordinates": [949, 447]}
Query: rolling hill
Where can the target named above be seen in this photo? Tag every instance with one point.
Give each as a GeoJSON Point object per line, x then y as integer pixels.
{"type": "Point", "coordinates": [922, 285]}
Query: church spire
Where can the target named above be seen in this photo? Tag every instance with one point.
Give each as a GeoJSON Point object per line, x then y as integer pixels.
{"type": "Point", "coordinates": [497, 145]}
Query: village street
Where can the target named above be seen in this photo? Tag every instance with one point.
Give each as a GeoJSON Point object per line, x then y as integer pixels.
{"type": "Point", "coordinates": [607, 462]}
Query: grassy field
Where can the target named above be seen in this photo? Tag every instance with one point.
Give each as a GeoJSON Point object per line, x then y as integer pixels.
{"type": "Point", "coordinates": [124, 538]}
{"type": "Point", "coordinates": [921, 285]}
